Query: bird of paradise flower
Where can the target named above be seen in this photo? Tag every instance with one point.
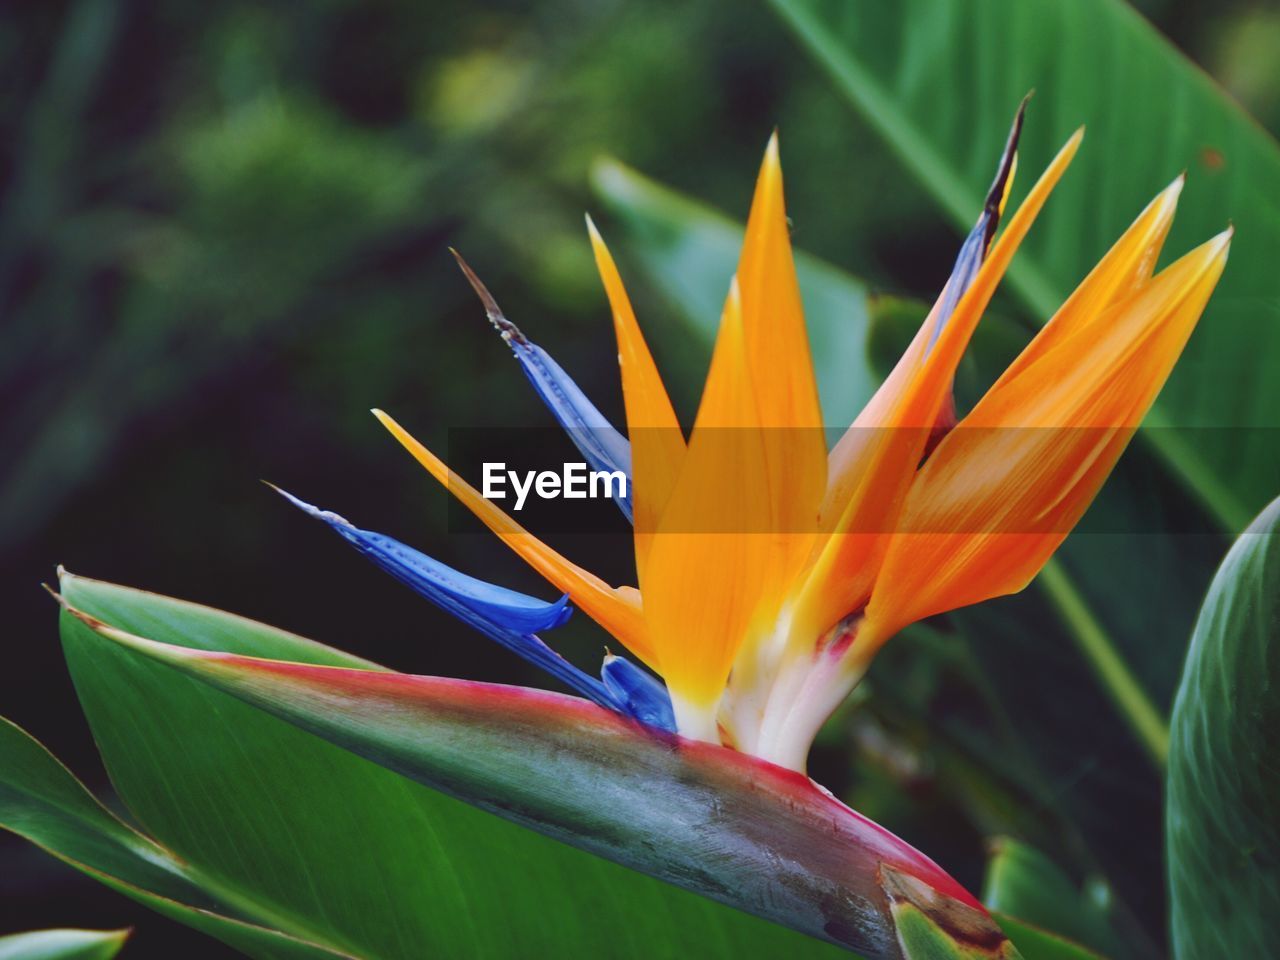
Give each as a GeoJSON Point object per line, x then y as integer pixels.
{"type": "Point", "coordinates": [770, 570]}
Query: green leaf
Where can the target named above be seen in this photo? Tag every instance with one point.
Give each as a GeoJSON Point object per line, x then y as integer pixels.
{"type": "Point", "coordinates": [41, 801]}
{"type": "Point", "coordinates": [1024, 885]}
{"type": "Point", "coordinates": [922, 939]}
{"type": "Point", "coordinates": [63, 945]}
{"type": "Point", "coordinates": [1037, 944]}
{"type": "Point", "coordinates": [713, 820]}
{"type": "Point", "coordinates": [939, 79]}
{"type": "Point", "coordinates": [340, 850]}
{"type": "Point", "coordinates": [694, 250]}
{"type": "Point", "coordinates": [1224, 780]}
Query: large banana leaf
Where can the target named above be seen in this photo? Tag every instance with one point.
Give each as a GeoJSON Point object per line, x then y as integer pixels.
{"type": "Point", "coordinates": [1224, 777]}
{"type": "Point", "coordinates": [938, 79]}
{"type": "Point", "coordinates": [346, 853]}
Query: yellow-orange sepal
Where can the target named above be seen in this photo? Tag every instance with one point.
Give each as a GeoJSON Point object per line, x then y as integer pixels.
{"type": "Point", "coordinates": [1004, 488]}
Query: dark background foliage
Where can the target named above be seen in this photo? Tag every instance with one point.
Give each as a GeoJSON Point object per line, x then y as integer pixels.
{"type": "Point", "coordinates": [222, 239]}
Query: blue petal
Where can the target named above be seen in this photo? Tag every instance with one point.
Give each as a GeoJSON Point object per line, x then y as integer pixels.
{"type": "Point", "coordinates": [500, 614]}
{"type": "Point", "coordinates": [465, 597]}
{"type": "Point", "coordinates": [972, 252]}
{"type": "Point", "coordinates": [603, 447]}
{"type": "Point", "coordinates": [640, 694]}
{"type": "Point", "coordinates": [974, 249]}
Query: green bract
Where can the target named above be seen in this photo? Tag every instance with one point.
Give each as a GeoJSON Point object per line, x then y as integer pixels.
{"type": "Point", "coordinates": [1224, 778]}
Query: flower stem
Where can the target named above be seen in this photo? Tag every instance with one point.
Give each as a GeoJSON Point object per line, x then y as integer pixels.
{"type": "Point", "coordinates": [1144, 718]}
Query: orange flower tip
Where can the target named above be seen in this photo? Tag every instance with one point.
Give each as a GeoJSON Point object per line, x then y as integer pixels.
{"type": "Point", "coordinates": [433, 464]}
{"type": "Point", "coordinates": [601, 250]}
{"type": "Point", "coordinates": [499, 320]}
{"type": "Point", "coordinates": [1215, 249]}
{"type": "Point", "coordinates": [1218, 245]}
{"type": "Point", "coordinates": [390, 423]}
{"type": "Point", "coordinates": [1170, 194]}
{"type": "Point", "coordinates": [771, 166]}
{"type": "Point", "coordinates": [1167, 199]}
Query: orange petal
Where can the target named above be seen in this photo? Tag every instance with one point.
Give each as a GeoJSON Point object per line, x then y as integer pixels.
{"type": "Point", "coordinates": [615, 609]}
{"type": "Point", "coordinates": [874, 463]}
{"type": "Point", "coordinates": [1003, 489]}
{"type": "Point", "coordinates": [657, 443]}
{"type": "Point", "coordinates": [1127, 266]}
{"type": "Point", "coordinates": [785, 389]}
{"type": "Point", "coordinates": [778, 355]}
{"type": "Point", "coordinates": [777, 343]}
{"type": "Point", "coordinates": [708, 558]}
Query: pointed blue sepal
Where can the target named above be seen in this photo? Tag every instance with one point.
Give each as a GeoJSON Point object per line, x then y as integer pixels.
{"type": "Point", "coordinates": [972, 252]}
{"type": "Point", "coordinates": [641, 695]}
{"type": "Point", "coordinates": [974, 249]}
{"type": "Point", "coordinates": [467, 598]}
{"type": "Point", "coordinates": [503, 615]}
{"type": "Point", "coordinates": [602, 446]}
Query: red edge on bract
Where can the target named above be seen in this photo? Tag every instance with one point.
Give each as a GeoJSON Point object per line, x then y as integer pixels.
{"type": "Point", "coordinates": [544, 708]}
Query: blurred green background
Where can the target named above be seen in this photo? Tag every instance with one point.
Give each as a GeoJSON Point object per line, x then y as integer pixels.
{"type": "Point", "coordinates": [223, 234]}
